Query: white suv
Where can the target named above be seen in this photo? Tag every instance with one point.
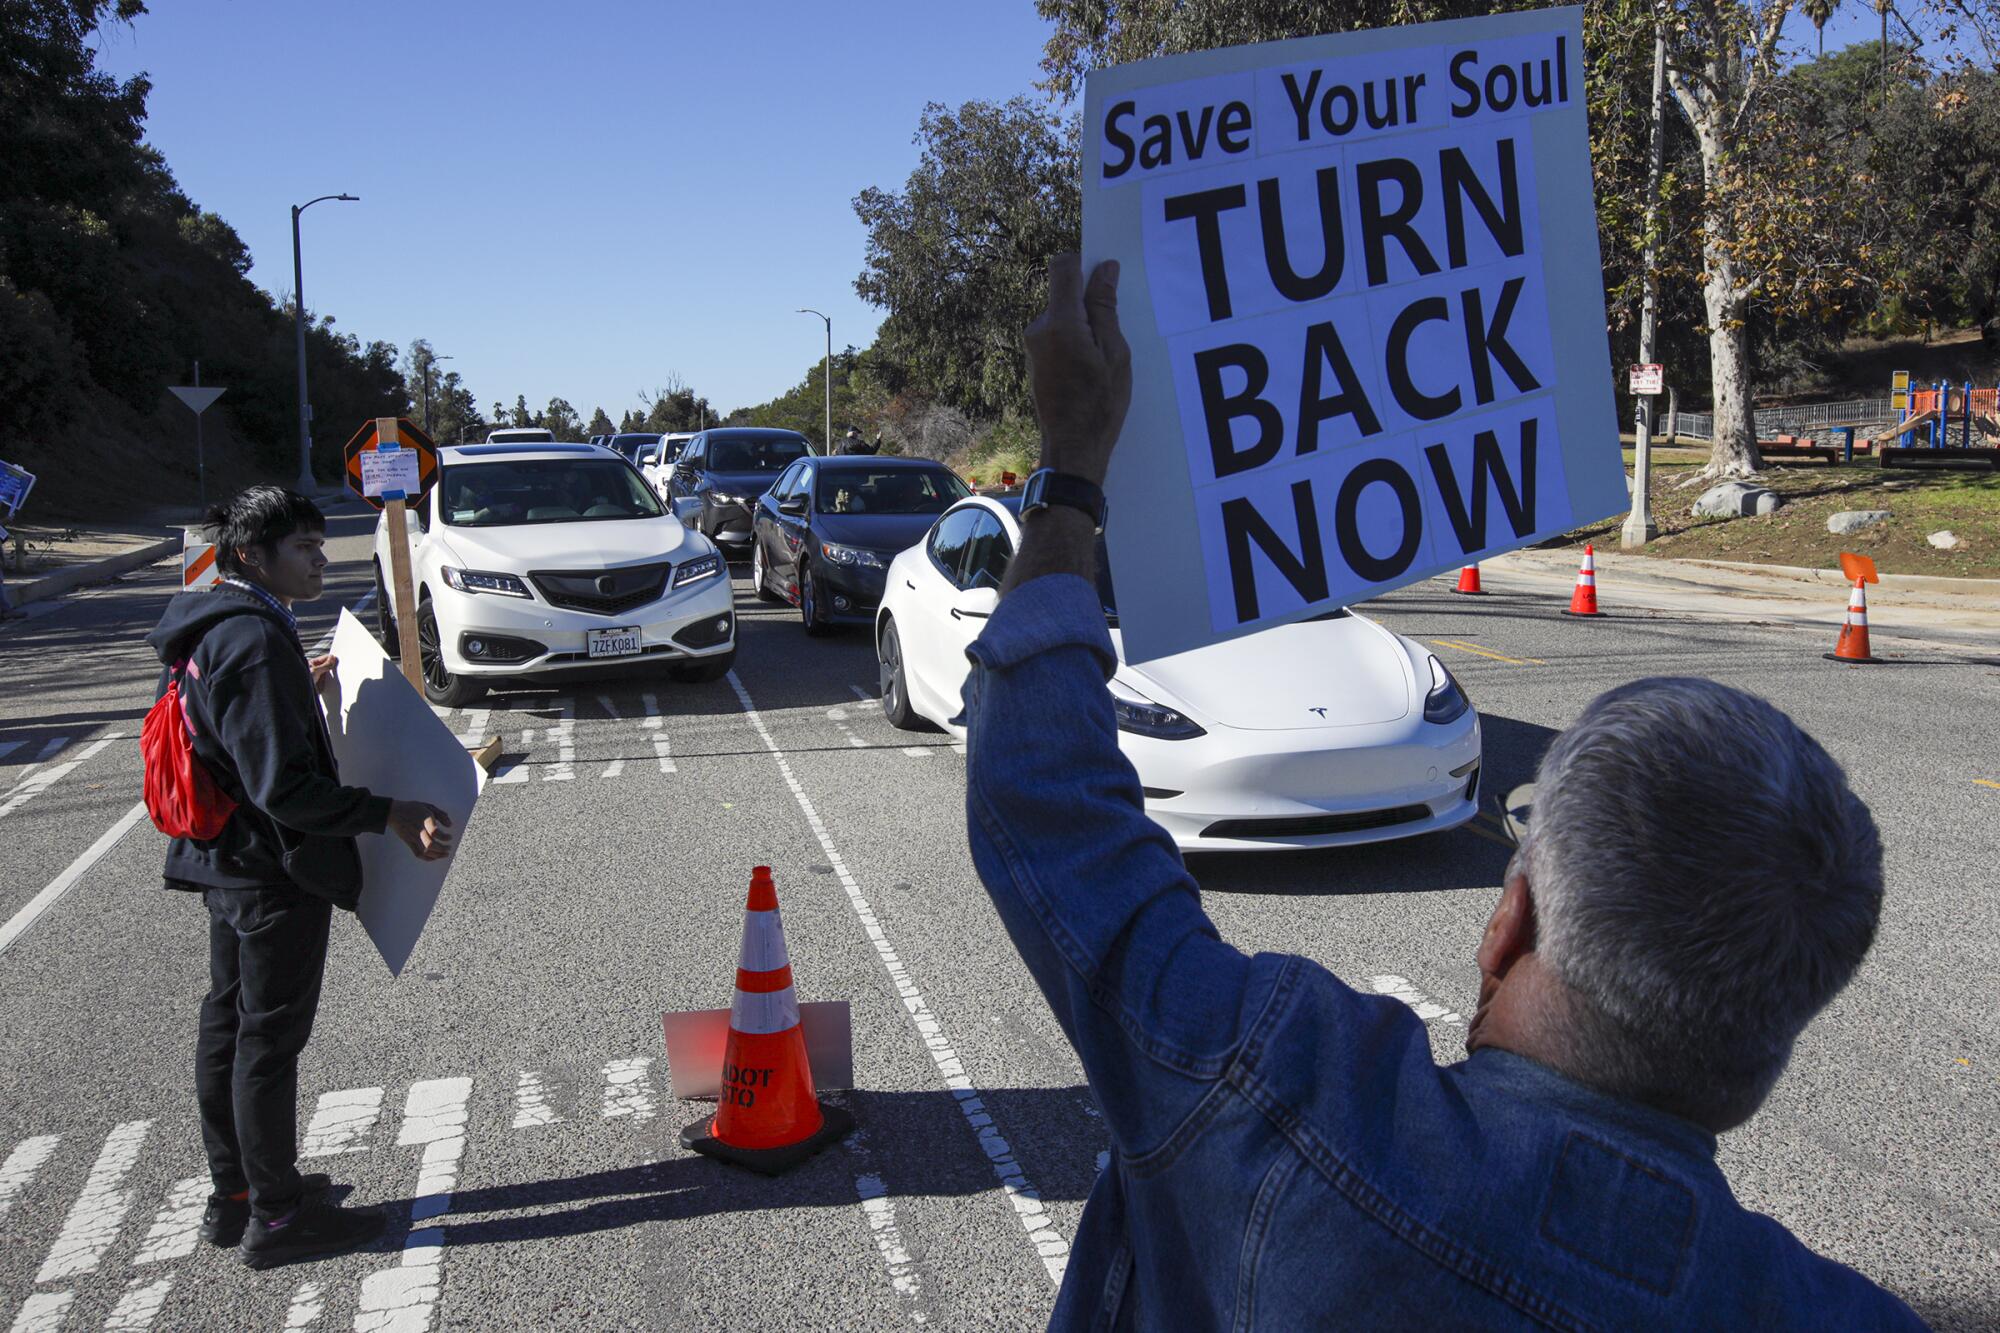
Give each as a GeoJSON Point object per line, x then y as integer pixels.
{"type": "Point", "coordinates": [538, 560]}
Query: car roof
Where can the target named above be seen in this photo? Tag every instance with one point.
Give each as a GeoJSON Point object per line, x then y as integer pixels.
{"type": "Point", "coordinates": [754, 430]}
{"type": "Point", "coordinates": [877, 462]}
{"type": "Point", "coordinates": [525, 449]}
{"type": "Point", "coordinates": [641, 434]}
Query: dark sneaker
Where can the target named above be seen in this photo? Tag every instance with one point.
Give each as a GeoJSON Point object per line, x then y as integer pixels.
{"type": "Point", "coordinates": [313, 1230]}
{"type": "Point", "coordinates": [222, 1222]}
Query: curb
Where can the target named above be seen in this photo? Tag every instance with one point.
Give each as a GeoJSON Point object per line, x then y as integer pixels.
{"type": "Point", "coordinates": [90, 571]}
{"type": "Point", "coordinates": [1938, 583]}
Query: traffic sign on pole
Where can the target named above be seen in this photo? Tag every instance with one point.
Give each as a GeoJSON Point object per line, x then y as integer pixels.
{"type": "Point", "coordinates": [199, 398]}
{"type": "Point", "coordinates": [387, 485]}
{"type": "Point", "coordinates": [1646, 381]}
{"type": "Point", "coordinates": [400, 433]}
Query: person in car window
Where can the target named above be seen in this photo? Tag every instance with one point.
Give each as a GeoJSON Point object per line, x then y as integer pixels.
{"type": "Point", "coordinates": [1698, 882]}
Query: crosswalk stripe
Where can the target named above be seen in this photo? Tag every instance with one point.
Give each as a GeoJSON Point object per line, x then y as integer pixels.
{"type": "Point", "coordinates": [43, 1312]}
{"type": "Point", "coordinates": [8, 747]}
{"type": "Point", "coordinates": [564, 735]}
{"type": "Point", "coordinates": [531, 1102]}
{"type": "Point", "coordinates": [516, 770]}
{"type": "Point", "coordinates": [22, 1164]}
{"type": "Point", "coordinates": [399, 1298]}
{"type": "Point", "coordinates": [51, 749]}
{"type": "Point", "coordinates": [100, 1210]}
{"type": "Point", "coordinates": [173, 1232]}
{"type": "Point", "coordinates": [604, 702]}
{"type": "Point", "coordinates": [341, 1121]}
{"type": "Point", "coordinates": [139, 1306]}
{"type": "Point", "coordinates": [628, 1091]}
{"type": "Point", "coordinates": [307, 1304]}
{"type": "Point", "coordinates": [663, 749]}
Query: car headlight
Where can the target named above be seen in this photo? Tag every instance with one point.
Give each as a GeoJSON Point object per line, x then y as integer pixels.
{"type": "Point", "coordinates": [724, 498]}
{"type": "Point", "coordinates": [476, 580]}
{"type": "Point", "coordinates": [1446, 702]}
{"type": "Point", "coordinates": [1142, 717]}
{"type": "Point", "coordinates": [697, 569]}
{"type": "Point", "coordinates": [851, 555]}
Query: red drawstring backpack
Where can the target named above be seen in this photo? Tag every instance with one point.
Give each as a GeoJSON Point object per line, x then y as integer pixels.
{"type": "Point", "coordinates": [181, 794]}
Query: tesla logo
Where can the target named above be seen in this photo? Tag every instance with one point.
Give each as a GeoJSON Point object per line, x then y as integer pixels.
{"type": "Point", "coordinates": [1320, 711]}
{"type": "Point", "coordinates": [607, 585]}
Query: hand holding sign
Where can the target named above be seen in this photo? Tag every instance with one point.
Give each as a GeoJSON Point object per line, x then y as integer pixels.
{"type": "Point", "coordinates": [1080, 369]}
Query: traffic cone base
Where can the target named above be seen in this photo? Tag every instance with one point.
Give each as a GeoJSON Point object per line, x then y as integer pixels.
{"type": "Point", "coordinates": [835, 1123]}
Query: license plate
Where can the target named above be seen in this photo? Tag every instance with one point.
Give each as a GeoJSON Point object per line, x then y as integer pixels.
{"type": "Point", "coordinates": [611, 642]}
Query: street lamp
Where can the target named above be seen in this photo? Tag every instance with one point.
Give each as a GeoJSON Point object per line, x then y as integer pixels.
{"type": "Point", "coordinates": [299, 328]}
{"type": "Point", "coordinates": [427, 388]}
{"type": "Point", "coordinates": [826, 374]}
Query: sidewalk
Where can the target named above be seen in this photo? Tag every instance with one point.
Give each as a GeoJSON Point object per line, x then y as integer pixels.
{"type": "Point", "coordinates": [1909, 609]}
{"type": "Point", "coordinates": [62, 557]}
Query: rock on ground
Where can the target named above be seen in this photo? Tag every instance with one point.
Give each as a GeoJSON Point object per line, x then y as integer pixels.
{"type": "Point", "coordinates": [1946, 540]}
{"type": "Point", "coordinates": [1737, 499]}
{"type": "Point", "coordinates": [1853, 520]}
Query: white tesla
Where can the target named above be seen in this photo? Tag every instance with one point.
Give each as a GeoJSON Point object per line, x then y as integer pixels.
{"type": "Point", "coordinates": [538, 560]}
{"type": "Point", "coordinates": [1317, 734]}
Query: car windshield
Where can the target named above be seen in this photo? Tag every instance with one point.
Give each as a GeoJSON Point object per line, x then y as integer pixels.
{"type": "Point", "coordinates": [754, 453]}
{"type": "Point", "coordinates": [543, 490]}
{"type": "Point", "coordinates": [856, 490]}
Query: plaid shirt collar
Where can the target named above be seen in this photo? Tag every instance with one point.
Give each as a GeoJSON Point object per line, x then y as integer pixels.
{"type": "Point", "coordinates": [284, 612]}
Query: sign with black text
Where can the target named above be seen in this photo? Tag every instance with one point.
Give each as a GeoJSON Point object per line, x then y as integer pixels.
{"type": "Point", "coordinates": [1361, 282]}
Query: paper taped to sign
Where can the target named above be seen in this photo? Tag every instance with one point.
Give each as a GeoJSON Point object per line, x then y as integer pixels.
{"type": "Point", "coordinates": [1361, 283]}
{"type": "Point", "coordinates": [387, 739]}
{"type": "Point", "coordinates": [391, 472]}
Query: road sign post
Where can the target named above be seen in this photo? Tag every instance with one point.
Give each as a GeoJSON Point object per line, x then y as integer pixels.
{"type": "Point", "coordinates": [380, 473]}
{"type": "Point", "coordinates": [198, 400]}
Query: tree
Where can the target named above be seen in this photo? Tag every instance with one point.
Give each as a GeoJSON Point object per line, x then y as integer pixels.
{"type": "Point", "coordinates": [632, 420]}
{"type": "Point", "coordinates": [600, 424]}
{"type": "Point", "coordinates": [562, 420]}
{"type": "Point", "coordinates": [520, 416]}
{"type": "Point", "coordinates": [957, 258]}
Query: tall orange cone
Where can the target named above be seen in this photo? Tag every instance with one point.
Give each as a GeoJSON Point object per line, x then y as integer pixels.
{"type": "Point", "coordinates": [1583, 602]}
{"type": "Point", "coordinates": [1853, 643]}
{"type": "Point", "coordinates": [1468, 581]}
{"type": "Point", "coordinates": [768, 1117]}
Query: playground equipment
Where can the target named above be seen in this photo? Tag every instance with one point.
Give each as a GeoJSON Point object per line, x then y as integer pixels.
{"type": "Point", "coordinates": [1943, 425]}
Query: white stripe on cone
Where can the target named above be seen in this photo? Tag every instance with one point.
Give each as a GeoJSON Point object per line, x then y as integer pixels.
{"type": "Point", "coordinates": [760, 1013]}
{"type": "Point", "coordinates": [763, 943]}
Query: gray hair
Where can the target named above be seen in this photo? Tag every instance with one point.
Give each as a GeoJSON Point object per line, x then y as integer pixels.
{"type": "Point", "coordinates": [1704, 882]}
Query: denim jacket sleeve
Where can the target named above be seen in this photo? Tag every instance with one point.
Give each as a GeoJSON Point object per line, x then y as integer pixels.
{"type": "Point", "coordinates": [1092, 892]}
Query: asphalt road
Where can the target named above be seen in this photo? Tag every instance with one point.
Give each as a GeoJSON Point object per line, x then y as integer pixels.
{"type": "Point", "coordinates": [518, 1063]}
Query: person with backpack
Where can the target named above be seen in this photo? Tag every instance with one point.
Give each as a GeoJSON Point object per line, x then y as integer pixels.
{"type": "Point", "coordinates": [240, 773]}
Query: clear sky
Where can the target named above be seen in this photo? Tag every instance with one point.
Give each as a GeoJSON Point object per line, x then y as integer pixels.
{"type": "Point", "coordinates": [571, 199]}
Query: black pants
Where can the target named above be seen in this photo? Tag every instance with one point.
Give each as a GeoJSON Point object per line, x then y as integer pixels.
{"type": "Point", "coordinates": [266, 956]}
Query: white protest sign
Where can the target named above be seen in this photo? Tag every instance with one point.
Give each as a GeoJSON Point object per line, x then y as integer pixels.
{"type": "Point", "coordinates": [1360, 279]}
{"type": "Point", "coordinates": [387, 739]}
{"type": "Point", "coordinates": [391, 472]}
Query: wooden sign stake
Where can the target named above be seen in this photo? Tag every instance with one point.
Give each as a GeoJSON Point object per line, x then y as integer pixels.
{"type": "Point", "coordinates": [399, 573]}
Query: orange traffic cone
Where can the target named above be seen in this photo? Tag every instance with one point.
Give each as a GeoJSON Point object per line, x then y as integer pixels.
{"type": "Point", "coordinates": [1468, 581]}
{"type": "Point", "coordinates": [767, 1117]}
{"type": "Point", "coordinates": [1853, 644]}
{"type": "Point", "coordinates": [1583, 602]}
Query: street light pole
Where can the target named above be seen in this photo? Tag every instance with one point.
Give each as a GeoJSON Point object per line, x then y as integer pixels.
{"type": "Point", "coordinates": [299, 329]}
{"type": "Point", "coordinates": [826, 374]}
{"type": "Point", "coordinates": [1639, 526]}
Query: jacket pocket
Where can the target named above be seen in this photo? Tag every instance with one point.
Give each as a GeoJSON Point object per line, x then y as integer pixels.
{"type": "Point", "coordinates": [326, 867]}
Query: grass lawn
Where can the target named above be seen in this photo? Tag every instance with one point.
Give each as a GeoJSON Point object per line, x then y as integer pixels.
{"type": "Point", "coordinates": [1921, 502]}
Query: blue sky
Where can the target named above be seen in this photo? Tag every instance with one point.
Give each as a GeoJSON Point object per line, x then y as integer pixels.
{"type": "Point", "coordinates": [570, 199]}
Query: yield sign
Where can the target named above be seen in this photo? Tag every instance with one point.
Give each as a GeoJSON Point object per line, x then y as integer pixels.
{"type": "Point", "coordinates": [196, 397]}
{"type": "Point", "coordinates": [407, 437]}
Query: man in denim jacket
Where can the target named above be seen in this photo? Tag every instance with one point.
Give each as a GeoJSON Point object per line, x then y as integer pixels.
{"type": "Point", "coordinates": [1699, 882]}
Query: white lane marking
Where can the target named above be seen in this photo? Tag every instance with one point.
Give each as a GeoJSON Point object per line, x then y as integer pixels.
{"type": "Point", "coordinates": [475, 725]}
{"type": "Point", "coordinates": [838, 716]}
{"type": "Point", "coordinates": [22, 1164]}
{"type": "Point", "coordinates": [43, 1312]}
{"type": "Point", "coordinates": [307, 1304]}
{"type": "Point", "coordinates": [663, 749]}
{"type": "Point", "coordinates": [861, 694]}
{"type": "Point", "coordinates": [531, 1102]}
{"type": "Point", "coordinates": [604, 702]}
{"type": "Point", "coordinates": [41, 782]}
{"type": "Point", "coordinates": [18, 924]}
{"type": "Point", "coordinates": [173, 1232]}
{"type": "Point", "coordinates": [51, 749]}
{"type": "Point", "coordinates": [1041, 1231]}
{"type": "Point", "coordinates": [918, 751]}
{"type": "Point", "coordinates": [515, 770]}
{"type": "Point", "coordinates": [613, 769]}
{"type": "Point", "coordinates": [402, 1298]}
{"type": "Point", "coordinates": [880, 1212]}
{"type": "Point", "coordinates": [139, 1306]}
{"type": "Point", "coordinates": [8, 747]}
{"type": "Point", "coordinates": [627, 1089]}
{"type": "Point", "coordinates": [1425, 1007]}
{"type": "Point", "coordinates": [341, 1122]}
{"type": "Point", "coordinates": [100, 1210]}
{"type": "Point", "coordinates": [563, 733]}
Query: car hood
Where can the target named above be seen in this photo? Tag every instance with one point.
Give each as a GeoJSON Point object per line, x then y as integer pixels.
{"type": "Point", "coordinates": [605, 544]}
{"type": "Point", "coordinates": [1343, 672]}
{"type": "Point", "coordinates": [876, 532]}
{"type": "Point", "coordinates": [752, 484]}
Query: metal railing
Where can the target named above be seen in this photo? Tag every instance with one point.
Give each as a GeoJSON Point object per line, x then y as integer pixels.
{"type": "Point", "coordinates": [1800, 419]}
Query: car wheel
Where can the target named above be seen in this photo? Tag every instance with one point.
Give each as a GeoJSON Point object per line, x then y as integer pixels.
{"type": "Point", "coordinates": [759, 576]}
{"type": "Point", "coordinates": [811, 615]}
{"type": "Point", "coordinates": [705, 670]}
{"type": "Point", "coordinates": [440, 686]}
{"type": "Point", "coordinates": [385, 623]}
{"type": "Point", "coordinates": [895, 684]}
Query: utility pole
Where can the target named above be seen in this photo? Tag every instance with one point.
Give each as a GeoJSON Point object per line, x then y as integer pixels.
{"type": "Point", "coordinates": [1639, 526]}
{"type": "Point", "coordinates": [299, 328]}
{"type": "Point", "coordinates": [827, 375]}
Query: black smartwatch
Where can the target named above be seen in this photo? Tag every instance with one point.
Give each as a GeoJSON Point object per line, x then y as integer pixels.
{"type": "Point", "coordinates": [1046, 487]}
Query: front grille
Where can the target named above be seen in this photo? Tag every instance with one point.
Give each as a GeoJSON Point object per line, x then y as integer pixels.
{"type": "Point", "coordinates": [601, 592]}
{"type": "Point", "coordinates": [1308, 826]}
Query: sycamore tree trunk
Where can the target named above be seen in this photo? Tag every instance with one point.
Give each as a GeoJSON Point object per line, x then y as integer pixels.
{"type": "Point", "coordinates": [1733, 445]}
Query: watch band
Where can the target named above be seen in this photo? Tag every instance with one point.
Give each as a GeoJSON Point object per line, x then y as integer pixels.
{"type": "Point", "coordinates": [1046, 487]}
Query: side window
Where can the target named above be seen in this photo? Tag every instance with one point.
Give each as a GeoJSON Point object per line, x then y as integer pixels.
{"type": "Point", "coordinates": [696, 448]}
{"type": "Point", "coordinates": [789, 484]}
{"type": "Point", "coordinates": [948, 542]}
{"type": "Point", "coordinates": [986, 554]}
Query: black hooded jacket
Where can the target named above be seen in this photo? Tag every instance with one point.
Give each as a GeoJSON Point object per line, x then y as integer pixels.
{"type": "Point", "coordinates": [259, 730]}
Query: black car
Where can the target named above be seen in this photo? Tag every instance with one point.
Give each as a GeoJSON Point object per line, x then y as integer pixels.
{"type": "Point", "coordinates": [721, 473]}
{"type": "Point", "coordinates": [825, 533]}
{"type": "Point", "coordinates": [630, 442]}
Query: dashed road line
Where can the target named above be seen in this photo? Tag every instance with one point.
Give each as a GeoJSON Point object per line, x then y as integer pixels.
{"type": "Point", "coordinates": [404, 1297]}
{"type": "Point", "coordinates": [531, 1102]}
{"type": "Point", "coordinates": [32, 787]}
{"type": "Point", "coordinates": [563, 733]}
{"type": "Point", "coordinates": [139, 1306]}
{"type": "Point", "coordinates": [1429, 1010]}
{"type": "Point", "coordinates": [22, 1164]}
{"type": "Point", "coordinates": [308, 1302]}
{"type": "Point", "coordinates": [43, 1312]}
{"type": "Point", "coordinates": [1483, 652]}
{"type": "Point", "coordinates": [663, 749]}
{"type": "Point", "coordinates": [838, 716]}
{"type": "Point", "coordinates": [18, 924]}
{"type": "Point", "coordinates": [172, 1235]}
{"type": "Point", "coordinates": [627, 1089]}
{"type": "Point", "coordinates": [1986, 782]}
{"type": "Point", "coordinates": [342, 1122]}
{"type": "Point", "coordinates": [100, 1210]}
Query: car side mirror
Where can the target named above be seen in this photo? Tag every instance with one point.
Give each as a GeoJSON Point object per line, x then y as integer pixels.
{"type": "Point", "coordinates": [795, 505]}
{"type": "Point", "coordinates": [975, 603]}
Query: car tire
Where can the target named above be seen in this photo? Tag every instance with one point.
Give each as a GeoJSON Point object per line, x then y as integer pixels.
{"type": "Point", "coordinates": [760, 577]}
{"type": "Point", "coordinates": [895, 682]}
{"type": "Point", "coordinates": [385, 621]}
{"type": "Point", "coordinates": [706, 669]}
{"type": "Point", "coordinates": [440, 686]}
{"type": "Point", "coordinates": [810, 613]}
